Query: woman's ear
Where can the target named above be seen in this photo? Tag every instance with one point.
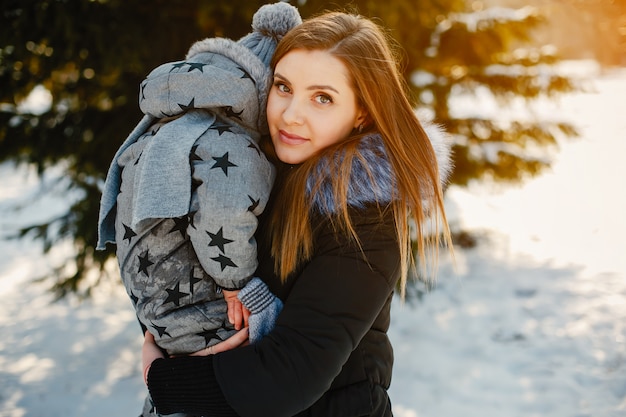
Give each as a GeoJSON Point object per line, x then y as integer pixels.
{"type": "Point", "coordinates": [362, 118]}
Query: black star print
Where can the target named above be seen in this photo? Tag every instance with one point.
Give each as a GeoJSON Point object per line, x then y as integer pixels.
{"type": "Point", "coordinates": [218, 239]}
{"type": "Point", "coordinates": [134, 298]}
{"type": "Point", "coordinates": [180, 225]}
{"type": "Point", "coordinates": [256, 148]}
{"type": "Point", "coordinates": [174, 295]}
{"type": "Point", "coordinates": [223, 163]}
{"type": "Point", "coordinates": [209, 335]}
{"type": "Point", "coordinates": [128, 233]}
{"type": "Point", "coordinates": [246, 75]}
{"type": "Point", "coordinates": [231, 113]}
{"type": "Point", "coordinates": [224, 261]}
{"type": "Point", "coordinates": [254, 205]}
{"type": "Point", "coordinates": [192, 280]}
{"type": "Point", "coordinates": [192, 215]}
{"type": "Point", "coordinates": [143, 89]}
{"type": "Point", "coordinates": [161, 330]}
{"type": "Point", "coordinates": [220, 127]}
{"type": "Point", "coordinates": [195, 183]}
{"type": "Point", "coordinates": [191, 105]}
{"type": "Point", "coordinates": [177, 66]}
{"type": "Point", "coordinates": [193, 156]}
{"type": "Point", "coordinates": [195, 66]}
{"type": "Point", "coordinates": [144, 263]}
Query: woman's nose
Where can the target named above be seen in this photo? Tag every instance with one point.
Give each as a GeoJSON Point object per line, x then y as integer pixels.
{"type": "Point", "coordinates": [293, 113]}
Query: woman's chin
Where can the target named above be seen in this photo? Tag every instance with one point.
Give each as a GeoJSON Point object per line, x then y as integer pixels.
{"type": "Point", "coordinates": [290, 158]}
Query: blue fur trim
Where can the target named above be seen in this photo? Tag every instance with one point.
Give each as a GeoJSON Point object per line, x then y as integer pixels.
{"type": "Point", "coordinates": [371, 180]}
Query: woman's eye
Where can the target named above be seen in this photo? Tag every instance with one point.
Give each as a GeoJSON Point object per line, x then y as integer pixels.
{"type": "Point", "coordinates": [323, 99]}
{"type": "Point", "coordinates": [282, 87]}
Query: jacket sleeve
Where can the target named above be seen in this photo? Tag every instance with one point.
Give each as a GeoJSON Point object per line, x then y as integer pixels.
{"type": "Point", "coordinates": [331, 306]}
{"type": "Point", "coordinates": [232, 181]}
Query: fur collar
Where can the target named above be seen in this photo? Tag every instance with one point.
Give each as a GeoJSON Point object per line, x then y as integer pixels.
{"type": "Point", "coordinates": [372, 179]}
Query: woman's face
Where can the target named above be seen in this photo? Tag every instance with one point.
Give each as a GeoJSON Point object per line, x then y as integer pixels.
{"type": "Point", "coordinates": [311, 104]}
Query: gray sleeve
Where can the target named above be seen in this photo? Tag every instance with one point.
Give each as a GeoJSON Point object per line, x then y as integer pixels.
{"type": "Point", "coordinates": [232, 181]}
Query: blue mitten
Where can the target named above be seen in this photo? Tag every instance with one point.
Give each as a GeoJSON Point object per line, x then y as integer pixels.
{"type": "Point", "coordinates": [264, 308]}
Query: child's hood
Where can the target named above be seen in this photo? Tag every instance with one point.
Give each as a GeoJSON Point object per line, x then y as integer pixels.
{"type": "Point", "coordinates": [218, 75]}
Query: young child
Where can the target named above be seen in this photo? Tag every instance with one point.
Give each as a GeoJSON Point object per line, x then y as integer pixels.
{"type": "Point", "coordinates": [184, 191]}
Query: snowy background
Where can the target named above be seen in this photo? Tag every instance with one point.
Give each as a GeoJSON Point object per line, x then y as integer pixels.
{"type": "Point", "coordinates": [531, 322]}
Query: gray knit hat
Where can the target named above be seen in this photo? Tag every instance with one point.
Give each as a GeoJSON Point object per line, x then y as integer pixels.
{"type": "Point", "coordinates": [269, 24]}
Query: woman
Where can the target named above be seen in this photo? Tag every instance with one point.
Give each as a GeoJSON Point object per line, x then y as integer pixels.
{"type": "Point", "coordinates": [355, 166]}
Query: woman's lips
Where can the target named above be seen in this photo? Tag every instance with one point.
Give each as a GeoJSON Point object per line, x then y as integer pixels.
{"type": "Point", "coordinates": [290, 139]}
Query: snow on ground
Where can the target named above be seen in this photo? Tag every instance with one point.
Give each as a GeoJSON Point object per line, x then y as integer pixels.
{"type": "Point", "coordinates": [532, 322]}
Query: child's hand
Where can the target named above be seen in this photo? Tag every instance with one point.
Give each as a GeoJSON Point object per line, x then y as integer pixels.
{"type": "Point", "coordinates": [149, 353]}
{"type": "Point", "coordinates": [237, 313]}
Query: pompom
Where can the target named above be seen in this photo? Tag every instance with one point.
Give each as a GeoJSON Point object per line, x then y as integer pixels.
{"type": "Point", "coordinates": [275, 19]}
{"type": "Point", "coordinates": [270, 23]}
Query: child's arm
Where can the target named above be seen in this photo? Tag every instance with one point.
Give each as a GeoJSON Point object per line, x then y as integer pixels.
{"type": "Point", "coordinates": [225, 206]}
{"type": "Point", "coordinates": [237, 313]}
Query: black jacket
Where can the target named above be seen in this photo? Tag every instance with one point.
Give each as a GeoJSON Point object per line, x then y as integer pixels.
{"type": "Point", "coordinates": [331, 335]}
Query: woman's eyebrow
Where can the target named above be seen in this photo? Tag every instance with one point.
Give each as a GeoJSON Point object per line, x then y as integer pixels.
{"type": "Point", "coordinates": [322, 87]}
{"type": "Point", "coordinates": [312, 87]}
{"type": "Point", "coordinates": [277, 75]}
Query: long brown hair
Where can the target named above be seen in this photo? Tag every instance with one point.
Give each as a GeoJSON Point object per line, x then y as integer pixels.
{"type": "Point", "coordinates": [368, 54]}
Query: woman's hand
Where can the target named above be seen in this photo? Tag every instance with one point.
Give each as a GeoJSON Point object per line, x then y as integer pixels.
{"type": "Point", "coordinates": [149, 353]}
{"type": "Point", "coordinates": [238, 339]}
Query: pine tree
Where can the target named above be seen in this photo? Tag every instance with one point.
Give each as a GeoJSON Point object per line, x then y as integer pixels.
{"type": "Point", "coordinates": [91, 57]}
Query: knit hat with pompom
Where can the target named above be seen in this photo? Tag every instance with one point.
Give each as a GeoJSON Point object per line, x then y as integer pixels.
{"type": "Point", "coordinates": [269, 24]}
